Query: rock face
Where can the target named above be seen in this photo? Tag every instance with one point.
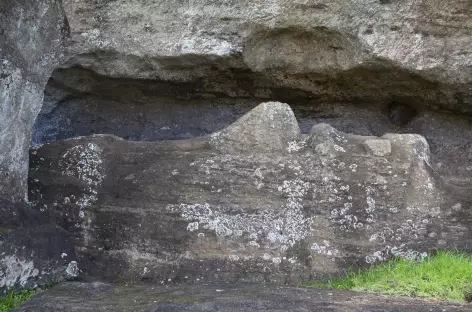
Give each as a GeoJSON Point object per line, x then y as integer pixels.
{"type": "Point", "coordinates": [267, 128]}
{"type": "Point", "coordinates": [91, 297]}
{"type": "Point", "coordinates": [79, 102]}
{"type": "Point", "coordinates": [33, 251]}
{"type": "Point", "coordinates": [257, 200]}
{"type": "Point", "coordinates": [31, 40]}
{"type": "Point", "coordinates": [417, 53]}
{"type": "Point", "coordinates": [233, 206]}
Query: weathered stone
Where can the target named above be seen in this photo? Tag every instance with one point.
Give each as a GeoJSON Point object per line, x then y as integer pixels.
{"type": "Point", "coordinates": [91, 297]}
{"type": "Point", "coordinates": [31, 40]}
{"type": "Point", "coordinates": [267, 128]}
{"type": "Point", "coordinates": [33, 251]}
{"type": "Point", "coordinates": [185, 211]}
{"type": "Point", "coordinates": [257, 201]}
{"type": "Point", "coordinates": [410, 52]}
{"type": "Point", "coordinates": [80, 103]}
{"type": "Point", "coordinates": [378, 147]}
{"type": "Point", "coordinates": [326, 140]}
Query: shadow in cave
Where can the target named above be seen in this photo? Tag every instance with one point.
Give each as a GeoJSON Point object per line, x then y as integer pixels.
{"type": "Point", "coordinates": [79, 102]}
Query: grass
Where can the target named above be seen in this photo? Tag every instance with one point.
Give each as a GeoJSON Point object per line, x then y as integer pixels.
{"type": "Point", "coordinates": [15, 300]}
{"type": "Point", "coordinates": [446, 276]}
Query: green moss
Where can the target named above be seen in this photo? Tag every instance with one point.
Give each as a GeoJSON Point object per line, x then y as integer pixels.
{"type": "Point", "coordinates": [15, 300]}
{"type": "Point", "coordinates": [445, 276]}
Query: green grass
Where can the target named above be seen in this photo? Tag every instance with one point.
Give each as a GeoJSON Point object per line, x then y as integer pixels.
{"type": "Point", "coordinates": [15, 300]}
{"type": "Point", "coordinates": [446, 276]}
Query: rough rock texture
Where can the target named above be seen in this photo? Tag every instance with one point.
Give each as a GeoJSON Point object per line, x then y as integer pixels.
{"type": "Point", "coordinates": [267, 128]}
{"type": "Point", "coordinates": [31, 39]}
{"type": "Point", "coordinates": [190, 210]}
{"type": "Point", "coordinates": [80, 103]}
{"type": "Point", "coordinates": [415, 52]}
{"type": "Point", "coordinates": [33, 251]}
{"type": "Point", "coordinates": [96, 296]}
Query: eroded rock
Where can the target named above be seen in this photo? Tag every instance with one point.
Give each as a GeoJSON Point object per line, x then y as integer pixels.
{"type": "Point", "coordinates": [267, 128]}
{"type": "Point", "coordinates": [31, 41]}
{"type": "Point", "coordinates": [187, 211]}
{"type": "Point", "coordinates": [414, 53]}
{"type": "Point", "coordinates": [33, 251]}
{"type": "Point", "coordinates": [80, 103]}
{"type": "Point", "coordinates": [378, 147]}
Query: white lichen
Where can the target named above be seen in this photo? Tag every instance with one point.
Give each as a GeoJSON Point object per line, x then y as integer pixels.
{"type": "Point", "coordinates": [281, 228]}
{"type": "Point", "coordinates": [84, 162]}
{"type": "Point", "coordinates": [192, 226]}
{"type": "Point", "coordinates": [295, 146]}
{"type": "Point", "coordinates": [396, 251]}
{"type": "Point", "coordinates": [339, 148]}
{"type": "Point", "coordinates": [324, 249]}
{"type": "Point", "coordinates": [72, 269]}
{"type": "Point", "coordinates": [16, 271]}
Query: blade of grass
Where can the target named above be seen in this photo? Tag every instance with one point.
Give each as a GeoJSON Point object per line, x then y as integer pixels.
{"type": "Point", "coordinates": [13, 300]}
{"type": "Point", "coordinates": [444, 276]}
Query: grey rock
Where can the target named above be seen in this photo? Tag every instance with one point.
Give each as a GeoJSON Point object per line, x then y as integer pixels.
{"type": "Point", "coordinates": [185, 211]}
{"type": "Point", "coordinates": [409, 52]}
{"type": "Point", "coordinates": [378, 147]}
{"type": "Point", "coordinates": [31, 39]}
{"type": "Point", "coordinates": [34, 252]}
{"type": "Point", "coordinates": [267, 128]}
{"type": "Point", "coordinates": [80, 103]}
{"type": "Point", "coordinates": [325, 139]}
{"type": "Point", "coordinates": [85, 297]}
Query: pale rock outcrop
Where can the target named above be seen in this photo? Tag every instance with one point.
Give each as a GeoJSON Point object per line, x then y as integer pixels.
{"type": "Point", "coordinates": [31, 44]}
{"type": "Point", "coordinates": [269, 127]}
{"type": "Point", "coordinates": [418, 52]}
